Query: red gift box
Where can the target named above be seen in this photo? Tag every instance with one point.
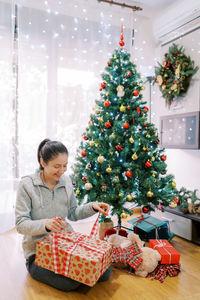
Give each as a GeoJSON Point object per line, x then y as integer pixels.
{"type": "Point", "coordinates": [168, 253]}
{"type": "Point", "coordinates": [74, 255]}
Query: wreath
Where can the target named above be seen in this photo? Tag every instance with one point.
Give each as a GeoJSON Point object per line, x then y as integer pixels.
{"type": "Point", "coordinates": [174, 74]}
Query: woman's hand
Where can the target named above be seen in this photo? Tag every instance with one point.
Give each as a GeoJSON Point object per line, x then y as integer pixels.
{"type": "Point", "coordinates": [55, 224]}
{"type": "Point", "coordinates": [102, 207]}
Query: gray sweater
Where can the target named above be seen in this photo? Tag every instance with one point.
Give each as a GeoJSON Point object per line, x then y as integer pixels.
{"type": "Point", "coordinates": [36, 202]}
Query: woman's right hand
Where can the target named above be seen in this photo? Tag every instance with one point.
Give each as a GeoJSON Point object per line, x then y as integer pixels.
{"type": "Point", "coordinates": [55, 224]}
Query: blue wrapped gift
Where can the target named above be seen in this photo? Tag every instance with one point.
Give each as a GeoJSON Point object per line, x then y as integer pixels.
{"type": "Point", "coordinates": [148, 227]}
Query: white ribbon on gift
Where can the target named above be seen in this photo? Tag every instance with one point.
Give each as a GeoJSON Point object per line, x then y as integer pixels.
{"type": "Point", "coordinates": [163, 244]}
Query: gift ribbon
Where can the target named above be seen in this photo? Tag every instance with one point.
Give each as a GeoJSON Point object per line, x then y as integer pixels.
{"type": "Point", "coordinates": [76, 241]}
{"type": "Point", "coordinates": [142, 218]}
{"type": "Point", "coordinates": [162, 245]}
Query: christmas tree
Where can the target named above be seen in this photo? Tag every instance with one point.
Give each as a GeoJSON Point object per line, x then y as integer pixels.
{"type": "Point", "coordinates": [118, 159]}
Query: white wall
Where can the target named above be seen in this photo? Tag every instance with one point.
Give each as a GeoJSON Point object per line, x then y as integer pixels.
{"type": "Point", "coordinates": [184, 164]}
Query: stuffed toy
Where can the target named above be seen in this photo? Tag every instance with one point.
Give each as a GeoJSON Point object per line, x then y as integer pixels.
{"type": "Point", "coordinates": [150, 257]}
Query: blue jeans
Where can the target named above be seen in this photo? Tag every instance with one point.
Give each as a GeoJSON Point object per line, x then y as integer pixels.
{"type": "Point", "coordinates": [56, 280]}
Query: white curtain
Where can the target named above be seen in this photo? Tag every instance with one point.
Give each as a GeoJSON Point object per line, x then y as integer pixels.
{"type": "Point", "coordinates": [64, 46]}
{"type": "Point", "coordinates": [49, 78]}
{"type": "Point", "coordinates": [7, 119]}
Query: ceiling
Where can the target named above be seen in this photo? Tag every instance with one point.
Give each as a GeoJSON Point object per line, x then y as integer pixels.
{"type": "Point", "coordinates": [150, 8]}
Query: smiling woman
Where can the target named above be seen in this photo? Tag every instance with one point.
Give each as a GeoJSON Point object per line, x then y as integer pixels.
{"type": "Point", "coordinates": [44, 201]}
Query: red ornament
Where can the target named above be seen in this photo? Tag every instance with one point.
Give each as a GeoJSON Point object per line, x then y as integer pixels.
{"type": "Point", "coordinates": [129, 174]}
{"type": "Point", "coordinates": [83, 152]}
{"type": "Point", "coordinates": [103, 84]}
{"type": "Point", "coordinates": [84, 179]}
{"type": "Point", "coordinates": [128, 107]}
{"type": "Point", "coordinates": [133, 121]}
{"type": "Point", "coordinates": [126, 125]}
{"type": "Point", "coordinates": [163, 157]}
{"type": "Point", "coordinates": [145, 209]}
{"type": "Point", "coordinates": [107, 103]}
{"type": "Point", "coordinates": [138, 109]}
{"type": "Point", "coordinates": [118, 148]}
{"type": "Point", "coordinates": [176, 200]}
{"type": "Point", "coordinates": [148, 164]}
{"type": "Point", "coordinates": [147, 149]}
{"type": "Point", "coordinates": [145, 124]}
{"type": "Point", "coordinates": [121, 43]}
{"type": "Point", "coordinates": [90, 122]}
{"type": "Point", "coordinates": [108, 63]}
{"type": "Point", "coordinates": [108, 124]}
{"type": "Point", "coordinates": [85, 137]}
{"type": "Point", "coordinates": [146, 109]}
{"type": "Point", "coordinates": [102, 130]}
{"type": "Point", "coordinates": [125, 76]}
{"type": "Point", "coordinates": [135, 93]}
{"type": "Point", "coordinates": [130, 74]}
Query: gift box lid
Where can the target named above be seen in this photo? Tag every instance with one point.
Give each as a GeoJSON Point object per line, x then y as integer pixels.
{"type": "Point", "coordinates": [147, 224]}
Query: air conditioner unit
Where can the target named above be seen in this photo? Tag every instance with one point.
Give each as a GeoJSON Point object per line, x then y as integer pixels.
{"type": "Point", "coordinates": [176, 20]}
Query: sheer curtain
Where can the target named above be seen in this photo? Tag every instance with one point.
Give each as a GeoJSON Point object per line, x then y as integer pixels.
{"type": "Point", "coordinates": [7, 118]}
{"type": "Point", "coordinates": [49, 79]}
{"type": "Point", "coordinates": [63, 48]}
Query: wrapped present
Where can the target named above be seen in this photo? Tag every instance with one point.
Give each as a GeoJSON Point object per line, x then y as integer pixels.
{"type": "Point", "coordinates": [148, 227]}
{"type": "Point", "coordinates": [74, 255]}
{"type": "Point", "coordinates": [168, 253]}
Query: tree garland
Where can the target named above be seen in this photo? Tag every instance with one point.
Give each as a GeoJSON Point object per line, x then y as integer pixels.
{"type": "Point", "coordinates": [174, 74]}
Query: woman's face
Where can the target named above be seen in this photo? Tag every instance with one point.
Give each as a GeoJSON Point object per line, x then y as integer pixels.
{"type": "Point", "coordinates": [56, 167]}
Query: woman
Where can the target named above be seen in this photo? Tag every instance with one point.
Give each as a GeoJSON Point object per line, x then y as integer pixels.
{"type": "Point", "coordinates": [43, 196]}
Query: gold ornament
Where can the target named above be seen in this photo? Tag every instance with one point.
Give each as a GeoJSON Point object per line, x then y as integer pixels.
{"type": "Point", "coordinates": [101, 119]}
{"type": "Point", "coordinates": [134, 156]}
{"type": "Point", "coordinates": [149, 194]}
{"type": "Point", "coordinates": [77, 192]}
{"type": "Point", "coordinates": [166, 75]}
{"type": "Point", "coordinates": [107, 94]}
{"type": "Point", "coordinates": [173, 204]}
{"type": "Point", "coordinates": [129, 197]}
{"type": "Point", "coordinates": [101, 159]}
{"type": "Point", "coordinates": [122, 108]}
{"type": "Point", "coordinates": [153, 175]}
{"type": "Point", "coordinates": [173, 184]}
{"type": "Point", "coordinates": [98, 173]}
{"type": "Point", "coordinates": [159, 79]}
{"type": "Point", "coordinates": [131, 140]}
{"type": "Point", "coordinates": [123, 215]}
{"type": "Point", "coordinates": [164, 87]}
{"type": "Point", "coordinates": [109, 170]}
{"type": "Point", "coordinates": [148, 135]}
{"type": "Point", "coordinates": [111, 153]}
{"type": "Point", "coordinates": [115, 57]}
{"type": "Point", "coordinates": [153, 158]}
{"type": "Point", "coordinates": [120, 195]}
{"type": "Point", "coordinates": [143, 88]}
{"type": "Point", "coordinates": [144, 148]}
{"type": "Point", "coordinates": [92, 143]}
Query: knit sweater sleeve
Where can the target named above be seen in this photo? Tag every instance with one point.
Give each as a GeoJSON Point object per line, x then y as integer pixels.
{"type": "Point", "coordinates": [23, 222]}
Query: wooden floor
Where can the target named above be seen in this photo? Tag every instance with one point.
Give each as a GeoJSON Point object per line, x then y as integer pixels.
{"type": "Point", "coordinates": [16, 283]}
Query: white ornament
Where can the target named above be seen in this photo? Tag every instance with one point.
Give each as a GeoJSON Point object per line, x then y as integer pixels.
{"type": "Point", "coordinates": [120, 91]}
{"type": "Point", "coordinates": [101, 159]}
{"type": "Point", "coordinates": [88, 186]}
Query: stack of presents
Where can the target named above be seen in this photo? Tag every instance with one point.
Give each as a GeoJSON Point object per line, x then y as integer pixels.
{"type": "Point", "coordinates": [85, 258]}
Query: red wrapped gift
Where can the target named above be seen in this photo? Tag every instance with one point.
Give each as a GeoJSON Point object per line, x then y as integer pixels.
{"type": "Point", "coordinates": [168, 253]}
{"type": "Point", "coordinates": [74, 255]}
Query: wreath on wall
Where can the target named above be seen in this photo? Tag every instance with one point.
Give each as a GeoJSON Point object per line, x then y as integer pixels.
{"type": "Point", "coordinates": [174, 74]}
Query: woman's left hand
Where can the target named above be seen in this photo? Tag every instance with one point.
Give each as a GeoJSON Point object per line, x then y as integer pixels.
{"type": "Point", "coordinates": [102, 207]}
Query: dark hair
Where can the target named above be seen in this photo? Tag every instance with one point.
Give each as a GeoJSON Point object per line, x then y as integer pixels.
{"type": "Point", "coordinates": [48, 149]}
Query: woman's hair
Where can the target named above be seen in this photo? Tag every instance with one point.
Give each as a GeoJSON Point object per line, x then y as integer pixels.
{"type": "Point", "coordinates": [48, 150]}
